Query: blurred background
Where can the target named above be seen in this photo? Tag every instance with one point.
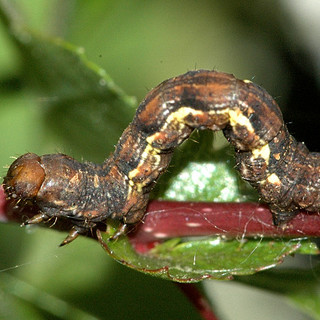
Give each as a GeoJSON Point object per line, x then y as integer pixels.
{"type": "Point", "coordinates": [141, 43]}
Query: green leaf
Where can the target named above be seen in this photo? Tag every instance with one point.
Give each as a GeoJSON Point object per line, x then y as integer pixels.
{"type": "Point", "coordinates": [198, 259]}
{"type": "Point", "coordinates": [308, 247]}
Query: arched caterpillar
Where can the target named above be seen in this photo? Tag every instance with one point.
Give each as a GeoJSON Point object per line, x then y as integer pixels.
{"type": "Point", "coordinates": [283, 171]}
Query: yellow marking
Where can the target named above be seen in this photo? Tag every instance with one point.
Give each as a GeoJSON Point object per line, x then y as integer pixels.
{"type": "Point", "coordinates": [60, 203]}
{"type": "Point", "coordinates": [247, 81]}
{"type": "Point", "coordinates": [148, 151]}
{"type": "Point", "coordinates": [134, 186]}
{"type": "Point", "coordinates": [219, 111]}
{"type": "Point", "coordinates": [129, 191]}
{"type": "Point", "coordinates": [237, 118]}
{"type": "Point", "coordinates": [132, 174]}
{"type": "Point", "coordinates": [179, 115]}
{"type": "Point", "coordinates": [176, 117]}
{"type": "Point", "coordinates": [277, 156]}
{"type": "Point", "coordinates": [262, 152]}
{"type": "Point", "coordinates": [96, 181]}
{"type": "Point", "coordinates": [71, 208]}
{"type": "Point", "coordinates": [75, 179]}
{"type": "Point", "coordinates": [150, 139]}
{"type": "Point", "coordinates": [273, 179]}
{"type": "Point", "coordinates": [139, 186]}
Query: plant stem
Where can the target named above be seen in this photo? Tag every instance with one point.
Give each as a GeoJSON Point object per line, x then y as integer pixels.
{"type": "Point", "coordinates": [169, 219]}
{"type": "Point", "coordinates": [198, 299]}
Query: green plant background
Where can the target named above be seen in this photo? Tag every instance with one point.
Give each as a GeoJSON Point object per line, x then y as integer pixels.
{"type": "Point", "coordinates": [139, 43]}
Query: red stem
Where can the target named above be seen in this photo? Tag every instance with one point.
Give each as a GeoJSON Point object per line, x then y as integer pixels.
{"type": "Point", "coordinates": [165, 219]}
{"type": "Point", "coordinates": [198, 299]}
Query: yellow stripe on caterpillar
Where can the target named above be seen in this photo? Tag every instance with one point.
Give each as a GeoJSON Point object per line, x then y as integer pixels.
{"type": "Point", "coordinates": [178, 116]}
{"type": "Point", "coordinates": [274, 179]}
{"type": "Point", "coordinates": [261, 152]}
{"type": "Point", "coordinates": [238, 118]}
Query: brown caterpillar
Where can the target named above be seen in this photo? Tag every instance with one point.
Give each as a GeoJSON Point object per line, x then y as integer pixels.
{"type": "Point", "coordinates": [284, 172]}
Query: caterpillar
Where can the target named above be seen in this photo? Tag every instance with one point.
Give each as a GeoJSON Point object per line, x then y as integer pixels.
{"type": "Point", "coordinates": [283, 171]}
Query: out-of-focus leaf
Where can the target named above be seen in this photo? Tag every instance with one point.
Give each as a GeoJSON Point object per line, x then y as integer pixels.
{"type": "Point", "coordinates": [80, 101]}
{"type": "Point", "coordinates": [26, 297]}
{"type": "Point", "coordinates": [201, 172]}
{"type": "Point", "coordinates": [299, 285]}
{"type": "Point", "coordinates": [83, 102]}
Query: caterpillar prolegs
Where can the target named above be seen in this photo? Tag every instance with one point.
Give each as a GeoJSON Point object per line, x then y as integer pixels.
{"type": "Point", "coordinates": [284, 172]}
